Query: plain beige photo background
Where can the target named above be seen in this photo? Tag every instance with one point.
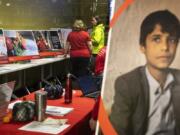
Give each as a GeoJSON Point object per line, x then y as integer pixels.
{"type": "Point", "coordinates": [124, 54]}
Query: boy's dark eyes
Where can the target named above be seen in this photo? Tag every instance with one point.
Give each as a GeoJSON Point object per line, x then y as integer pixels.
{"type": "Point", "coordinates": [156, 39]}
{"type": "Point", "coordinates": [172, 40]}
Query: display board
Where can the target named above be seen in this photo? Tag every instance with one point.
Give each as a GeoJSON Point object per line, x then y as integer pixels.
{"type": "Point", "coordinates": [41, 41]}
{"type": "Point", "coordinates": [48, 42]}
{"type": "Point", "coordinates": [3, 49]}
{"type": "Point", "coordinates": [63, 34]}
{"type": "Point", "coordinates": [21, 45]}
{"type": "Point", "coordinates": [53, 39]}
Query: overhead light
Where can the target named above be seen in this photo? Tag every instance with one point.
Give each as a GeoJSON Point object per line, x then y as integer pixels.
{"type": "Point", "coordinates": [8, 4]}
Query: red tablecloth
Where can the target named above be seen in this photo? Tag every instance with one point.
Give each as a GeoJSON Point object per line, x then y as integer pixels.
{"type": "Point", "coordinates": [78, 118]}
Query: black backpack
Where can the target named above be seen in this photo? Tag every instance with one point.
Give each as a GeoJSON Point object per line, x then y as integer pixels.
{"type": "Point", "coordinates": [54, 88]}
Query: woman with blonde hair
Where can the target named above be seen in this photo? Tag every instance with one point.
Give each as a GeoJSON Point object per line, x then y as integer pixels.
{"type": "Point", "coordinates": [78, 45]}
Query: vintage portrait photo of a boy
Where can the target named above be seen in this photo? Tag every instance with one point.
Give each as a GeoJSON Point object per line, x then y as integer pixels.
{"type": "Point", "coordinates": [142, 92]}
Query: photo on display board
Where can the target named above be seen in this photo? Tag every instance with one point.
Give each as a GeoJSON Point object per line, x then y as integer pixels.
{"type": "Point", "coordinates": [41, 41]}
{"type": "Point", "coordinates": [53, 39]}
{"type": "Point", "coordinates": [48, 40]}
{"type": "Point", "coordinates": [20, 43]}
{"type": "Point", "coordinates": [63, 34]}
{"type": "Point", "coordinates": [3, 49]}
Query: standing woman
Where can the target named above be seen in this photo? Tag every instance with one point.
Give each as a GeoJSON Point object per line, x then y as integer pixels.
{"type": "Point", "coordinates": [79, 45]}
{"type": "Point", "coordinates": [97, 37]}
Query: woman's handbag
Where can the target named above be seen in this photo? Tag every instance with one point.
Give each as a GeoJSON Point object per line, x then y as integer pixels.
{"type": "Point", "coordinates": [23, 111]}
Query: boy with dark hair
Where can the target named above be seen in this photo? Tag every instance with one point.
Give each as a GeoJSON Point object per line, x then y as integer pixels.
{"type": "Point", "coordinates": [147, 99]}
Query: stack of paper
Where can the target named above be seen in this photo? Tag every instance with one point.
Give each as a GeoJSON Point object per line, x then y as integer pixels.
{"type": "Point", "coordinates": [36, 126]}
{"type": "Point", "coordinates": [58, 111]}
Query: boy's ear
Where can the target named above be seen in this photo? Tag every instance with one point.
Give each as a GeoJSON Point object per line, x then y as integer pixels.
{"type": "Point", "coordinates": [142, 48]}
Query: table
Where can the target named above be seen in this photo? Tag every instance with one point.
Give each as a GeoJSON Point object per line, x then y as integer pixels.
{"type": "Point", "coordinates": [8, 68]}
{"type": "Point", "coordinates": [78, 118]}
{"type": "Point", "coordinates": [33, 72]}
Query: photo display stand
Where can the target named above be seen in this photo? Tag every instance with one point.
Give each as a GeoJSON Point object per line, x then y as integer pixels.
{"type": "Point", "coordinates": [21, 45]}
{"type": "Point", "coordinates": [48, 43]}
{"type": "Point", "coordinates": [63, 34]}
{"type": "Point", "coordinates": [3, 49]}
